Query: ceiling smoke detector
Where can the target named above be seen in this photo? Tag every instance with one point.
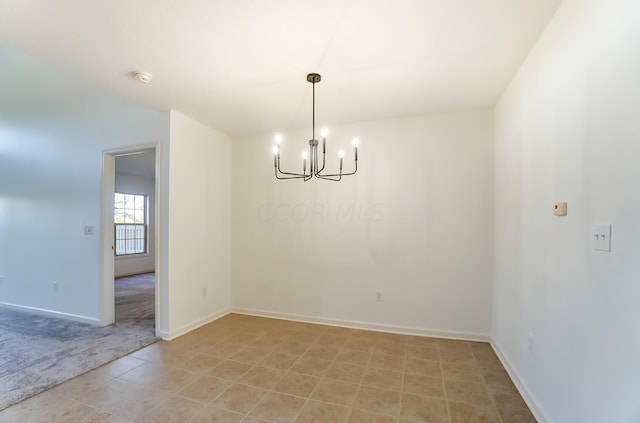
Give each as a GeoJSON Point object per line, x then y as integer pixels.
{"type": "Point", "coordinates": [143, 77]}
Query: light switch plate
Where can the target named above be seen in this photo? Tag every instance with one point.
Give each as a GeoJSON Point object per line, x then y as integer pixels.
{"type": "Point", "coordinates": [601, 237]}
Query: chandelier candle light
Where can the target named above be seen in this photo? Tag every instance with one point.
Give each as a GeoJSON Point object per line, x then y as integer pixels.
{"type": "Point", "coordinates": [312, 155]}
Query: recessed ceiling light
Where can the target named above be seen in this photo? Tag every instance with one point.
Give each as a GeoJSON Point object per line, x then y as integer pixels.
{"type": "Point", "coordinates": [143, 77]}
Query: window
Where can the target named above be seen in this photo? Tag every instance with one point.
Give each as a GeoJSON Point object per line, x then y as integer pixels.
{"type": "Point", "coordinates": [130, 217]}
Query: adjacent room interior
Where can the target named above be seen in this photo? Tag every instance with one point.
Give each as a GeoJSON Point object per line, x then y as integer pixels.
{"type": "Point", "coordinates": [495, 202]}
{"type": "Point", "coordinates": [134, 237]}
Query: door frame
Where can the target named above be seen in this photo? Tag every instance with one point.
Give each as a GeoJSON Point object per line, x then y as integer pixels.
{"type": "Point", "coordinates": [107, 242]}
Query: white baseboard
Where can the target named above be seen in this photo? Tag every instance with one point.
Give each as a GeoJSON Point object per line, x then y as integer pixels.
{"type": "Point", "coordinates": [403, 330]}
{"type": "Point", "coordinates": [532, 403]}
{"type": "Point", "coordinates": [52, 313]}
{"type": "Point", "coordinates": [170, 335]}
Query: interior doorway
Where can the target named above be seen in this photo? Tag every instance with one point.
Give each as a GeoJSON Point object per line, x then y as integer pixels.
{"type": "Point", "coordinates": [135, 227]}
{"type": "Point", "coordinates": [130, 285]}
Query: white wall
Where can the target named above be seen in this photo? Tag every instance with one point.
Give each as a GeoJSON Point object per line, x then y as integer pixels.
{"type": "Point", "coordinates": [415, 222]}
{"type": "Point", "coordinates": [139, 263]}
{"type": "Point", "coordinates": [199, 225]}
{"type": "Point", "coordinates": [53, 131]}
{"type": "Point", "coordinates": [567, 129]}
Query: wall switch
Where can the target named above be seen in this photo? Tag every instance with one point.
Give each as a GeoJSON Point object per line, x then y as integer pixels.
{"type": "Point", "coordinates": [204, 292]}
{"type": "Point", "coordinates": [55, 286]}
{"type": "Point", "coordinates": [88, 230]}
{"type": "Point", "coordinates": [560, 209]}
{"type": "Point", "coordinates": [601, 237]}
{"type": "Point", "coordinates": [379, 296]}
{"type": "Point", "coordinates": [530, 343]}
{"type": "Point", "coordinates": [1, 280]}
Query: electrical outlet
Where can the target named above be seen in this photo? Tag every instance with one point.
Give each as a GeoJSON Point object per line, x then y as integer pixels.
{"type": "Point", "coordinates": [204, 292]}
{"type": "Point", "coordinates": [88, 230]}
{"type": "Point", "coordinates": [379, 296]}
{"type": "Point", "coordinates": [55, 286]}
{"type": "Point", "coordinates": [530, 343]}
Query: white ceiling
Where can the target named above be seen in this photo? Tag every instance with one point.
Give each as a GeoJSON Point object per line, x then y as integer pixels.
{"type": "Point", "coordinates": [240, 65]}
{"type": "Point", "coordinates": [139, 163]}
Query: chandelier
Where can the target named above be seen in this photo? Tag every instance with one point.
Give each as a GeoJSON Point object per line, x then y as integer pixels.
{"type": "Point", "coordinates": [315, 169]}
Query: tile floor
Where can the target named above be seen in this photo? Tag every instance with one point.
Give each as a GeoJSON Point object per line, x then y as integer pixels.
{"type": "Point", "coordinates": [250, 369]}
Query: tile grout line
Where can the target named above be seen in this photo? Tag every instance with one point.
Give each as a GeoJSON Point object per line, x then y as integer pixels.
{"type": "Point", "coordinates": [268, 391]}
{"type": "Point", "coordinates": [444, 385]}
{"type": "Point", "coordinates": [404, 363]}
{"type": "Point", "coordinates": [360, 385]}
{"type": "Point", "coordinates": [306, 401]}
{"type": "Point", "coordinates": [237, 380]}
{"type": "Point", "coordinates": [231, 382]}
{"type": "Point", "coordinates": [486, 388]}
{"type": "Point", "coordinates": [271, 390]}
{"type": "Point", "coordinates": [355, 396]}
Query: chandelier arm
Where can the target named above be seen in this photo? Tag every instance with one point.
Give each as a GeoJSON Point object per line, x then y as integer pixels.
{"type": "Point", "coordinates": [323, 160]}
{"type": "Point", "coordinates": [314, 145]}
{"type": "Point", "coordinates": [293, 175]}
{"type": "Point", "coordinates": [288, 177]}
{"type": "Point", "coordinates": [338, 174]}
{"type": "Point", "coordinates": [310, 175]}
{"type": "Point", "coordinates": [330, 177]}
{"type": "Point", "coordinates": [319, 175]}
{"type": "Point", "coordinates": [355, 169]}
